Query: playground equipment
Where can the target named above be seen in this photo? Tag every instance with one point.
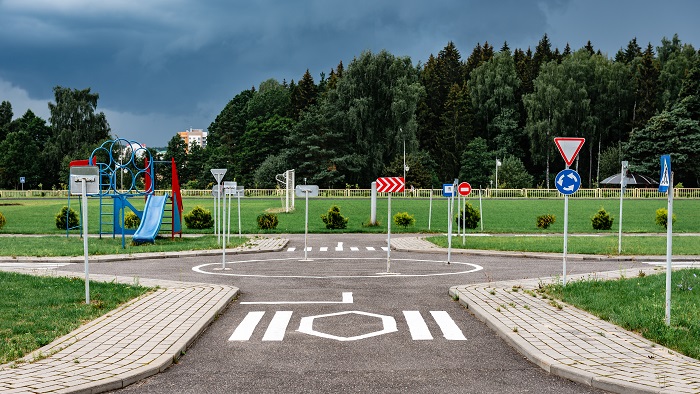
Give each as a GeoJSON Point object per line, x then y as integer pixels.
{"type": "Point", "coordinates": [120, 157]}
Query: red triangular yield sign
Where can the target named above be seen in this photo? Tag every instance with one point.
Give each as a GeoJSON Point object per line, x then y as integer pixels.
{"type": "Point", "coordinates": [569, 148]}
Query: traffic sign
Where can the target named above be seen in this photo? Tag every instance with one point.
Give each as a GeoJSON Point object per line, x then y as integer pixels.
{"type": "Point", "coordinates": [448, 190]}
{"type": "Point", "coordinates": [302, 190]}
{"type": "Point", "coordinates": [665, 181]}
{"type": "Point", "coordinates": [567, 181]}
{"type": "Point", "coordinates": [218, 174]}
{"type": "Point", "coordinates": [390, 184]}
{"type": "Point", "coordinates": [569, 148]}
{"type": "Point", "coordinates": [464, 189]}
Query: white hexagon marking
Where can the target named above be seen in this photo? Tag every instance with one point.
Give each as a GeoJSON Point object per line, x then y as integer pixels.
{"type": "Point", "coordinates": [388, 322]}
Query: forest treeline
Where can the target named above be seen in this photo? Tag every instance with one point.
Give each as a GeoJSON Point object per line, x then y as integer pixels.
{"type": "Point", "coordinates": [453, 117]}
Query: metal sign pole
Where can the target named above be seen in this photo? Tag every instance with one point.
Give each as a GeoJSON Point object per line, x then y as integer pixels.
{"type": "Point", "coordinates": [430, 210]}
{"type": "Point", "coordinates": [239, 213]}
{"type": "Point", "coordinates": [306, 225]}
{"type": "Point", "coordinates": [223, 236]}
{"type": "Point", "coordinates": [566, 232]}
{"type": "Point", "coordinates": [85, 241]}
{"type": "Point", "coordinates": [481, 211]}
{"type": "Point", "coordinates": [388, 233]}
{"type": "Point", "coordinates": [622, 193]}
{"type": "Point", "coordinates": [669, 248]}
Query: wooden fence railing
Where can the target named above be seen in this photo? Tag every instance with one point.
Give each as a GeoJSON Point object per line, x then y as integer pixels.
{"type": "Point", "coordinates": [417, 193]}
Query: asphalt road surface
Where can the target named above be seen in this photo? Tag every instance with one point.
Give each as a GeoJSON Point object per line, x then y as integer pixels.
{"type": "Point", "coordinates": [341, 323]}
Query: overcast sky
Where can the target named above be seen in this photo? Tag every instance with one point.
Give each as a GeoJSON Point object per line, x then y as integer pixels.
{"type": "Point", "coordinates": [163, 66]}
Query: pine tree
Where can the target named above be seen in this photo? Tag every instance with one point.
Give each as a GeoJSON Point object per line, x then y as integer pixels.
{"type": "Point", "coordinates": [589, 48]}
{"type": "Point", "coordinates": [647, 88]}
{"type": "Point", "coordinates": [543, 54]}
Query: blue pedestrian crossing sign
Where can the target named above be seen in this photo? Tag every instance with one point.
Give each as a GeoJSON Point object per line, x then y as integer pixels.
{"type": "Point", "coordinates": [665, 181]}
{"type": "Point", "coordinates": [448, 190]}
{"type": "Point", "coordinates": [567, 181]}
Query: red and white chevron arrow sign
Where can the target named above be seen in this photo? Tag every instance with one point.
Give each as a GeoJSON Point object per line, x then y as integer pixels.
{"type": "Point", "coordinates": [390, 184]}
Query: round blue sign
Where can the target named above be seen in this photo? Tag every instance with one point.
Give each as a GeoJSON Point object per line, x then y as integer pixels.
{"type": "Point", "coordinates": [567, 181]}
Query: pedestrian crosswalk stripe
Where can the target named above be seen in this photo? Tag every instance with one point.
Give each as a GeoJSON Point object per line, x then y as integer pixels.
{"type": "Point", "coordinates": [448, 326]}
{"type": "Point", "coordinates": [278, 326]}
{"type": "Point", "coordinates": [338, 248]}
{"type": "Point", "coordinates": [417, 326]}
{"type": "Point", "coordinates": [245, 330]}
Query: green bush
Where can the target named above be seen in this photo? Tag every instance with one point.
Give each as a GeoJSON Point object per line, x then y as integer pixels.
{"type": "Point", "coordinates": [3, 221]}
{"type": "Point", "coordinates": [268, 221]}
{"type": "Point", "coordinates": [404, 220]}
{"type": "Point", "coordinates": [131, 220]}
{"type": "Point", "coordinates": [333, 219]}
{"type": "Point", "coordinates": [602, 220]}
{"type": "Point", "coordinates": [544, 221]}
{"type": "Point", "coordinates": [469, 217]}
{"type": "Point", "coordinates": [73, 220]}
{"type": "Point", "coordinates": [199, 218]}
{"type": "Point", "coordinates": [662, 217]}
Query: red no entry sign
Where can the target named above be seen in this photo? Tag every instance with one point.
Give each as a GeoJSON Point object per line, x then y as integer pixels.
{"type": "Point", "coordinates": [464, 189]}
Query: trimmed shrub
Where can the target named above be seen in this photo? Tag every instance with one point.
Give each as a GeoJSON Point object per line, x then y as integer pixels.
{"type": "Point", "coordinates": [469, 217]}
{"type": "Point", "coordinates": [267, 221]}
{"type": "Point", "coordinates": [131, 220]}
{"type": "Point", "coordinates": [404, 220]}
{"type": "Point", "coordinates": [544, 221]}
{"type": "Point", "coordinates": [602, 220]}
{"type": "Point", "coordinates": [73, 220]}
{"type": "Point", "coordinates": [3, 221]}
{"type": "Point", "coordinates": [199, 218]}
{"type": "Point", "coordinates": [334, 220]}
{"type": "Point", "coordinates": [662, 217]}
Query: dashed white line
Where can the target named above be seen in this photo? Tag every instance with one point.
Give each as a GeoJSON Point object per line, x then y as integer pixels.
{"type": "Point", "coordinates": [354, 248]}
{"type": "Point", "coordinates": [371, 248]}
{"type": "Point", "coordinates": [323, 249]}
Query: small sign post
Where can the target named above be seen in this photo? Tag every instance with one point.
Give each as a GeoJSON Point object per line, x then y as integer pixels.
{"type": "Point", "coordinates": [448, 190]}
{"type": "Point", "coordinates": [623, 184]}
{"type": "Point", "coordinates": [464, 189]}
{"type": "Point", "coordinates": [389, 185]}
{"type": "Point", "coordinates": [84, 181]}
{"type": "Point", "coordinates": [567, 182]}
{"type": "Point", "coordinates": [306, 191]}
{"type": "Point", "coordinates": [240, 192]}
{"type": "Point", "coordinates": [218, 175]}
{"type": "Point", "coordinates": [666, 186]}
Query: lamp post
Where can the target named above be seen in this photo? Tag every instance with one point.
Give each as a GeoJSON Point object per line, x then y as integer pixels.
{"type": "Point", "coordinates": [498, 164]}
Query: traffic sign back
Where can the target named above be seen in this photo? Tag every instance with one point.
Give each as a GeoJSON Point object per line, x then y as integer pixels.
{"type": "Point", "coordinates": [569, 148]}
{"type": "Point", "coordinates": [390, 184]}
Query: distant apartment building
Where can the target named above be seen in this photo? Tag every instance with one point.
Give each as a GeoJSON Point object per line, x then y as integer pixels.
{"type": "Point", "coordinates": [194, 136]}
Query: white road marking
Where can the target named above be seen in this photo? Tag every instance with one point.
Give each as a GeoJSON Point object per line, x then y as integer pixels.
{"type": "Point", "coordinates": [308, 248]}
{"type": "Point", "coordinates": [354, 248]}
{"type": "Point", "coordinates": [347, 299]}
{"type": "Point", "coordinates": [291, 249]}
{"type": "Point", "coordinates": [385, 248]}
{"type": "Point", "coordinates": [416, 325]}
{"type": "Point", "coordinates": [370, 248]}
{"type": "Point", "coordinates": [245, 330]}
{"type": "Point", "coordinates": [339, 248]}
{"type": "Point", "coordinates": [278, 326]}
{"type": "Point", "coordinates": [323, 249]}
{"type": "Point", "coordinates": [449, 328]}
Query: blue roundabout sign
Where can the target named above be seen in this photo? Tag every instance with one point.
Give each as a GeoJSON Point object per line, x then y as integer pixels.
{"type": "Point", "coordinates": [567, 181]}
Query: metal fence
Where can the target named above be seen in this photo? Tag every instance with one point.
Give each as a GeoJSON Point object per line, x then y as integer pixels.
{"type": "Point", "coordinates": [416, 193]}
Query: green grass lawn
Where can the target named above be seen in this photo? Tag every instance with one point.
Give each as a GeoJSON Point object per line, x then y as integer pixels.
{"type": "Point", "coordinates": [51, 246]}
{"type": "Point", "coordinates": [602, 245]}
{"type": "Point", "coordinates": [638, 304]}
{"type": "Point", "coordinates": [36, 310]}
{"type": "Point", "coordinates": [37, 216]}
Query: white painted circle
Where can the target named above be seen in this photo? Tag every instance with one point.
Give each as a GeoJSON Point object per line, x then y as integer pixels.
{"type": "Point", "coordinates": [201, 269]}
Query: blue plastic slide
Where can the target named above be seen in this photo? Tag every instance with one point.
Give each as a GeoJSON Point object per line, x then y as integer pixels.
{"type": "Point", "coordinates": [151, 218]}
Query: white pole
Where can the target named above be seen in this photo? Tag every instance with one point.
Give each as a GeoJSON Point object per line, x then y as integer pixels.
{"type": "Point", "coordinates": [481, 212]}
{"type": "Point", "coordinates": [464, 217]}
{"type": "Point", "coordinates": [388, 233]}
{"type": "Point", "coordinates": [450, 206]}
{"type": "Point", "coordinates": [228, 219]}
{"type": "Point", "coordinates": [669, 248]}
{"type": "Point", "coordinates": [306, 225]}
{"type": "Point", "coordinates": [85, 242]}
{"type": "Point", "coordinates": [223, 229]}
{"type": "Point", "coordinates": [566, 233]}
{"type": "Point", "coordinates": [622, 193]}
{"type": "Point", "coordinates": [430, 210]}
{"type": "Point", "coordinates": [239, 212]}
{"type": "Point", "coordinates": [373, 205]}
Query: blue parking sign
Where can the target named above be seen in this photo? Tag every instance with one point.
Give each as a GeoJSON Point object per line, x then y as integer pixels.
{"type": "Point", "coordinates": [448, 190]}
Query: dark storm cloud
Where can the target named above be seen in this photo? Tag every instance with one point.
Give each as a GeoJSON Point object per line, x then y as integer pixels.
{"type": "Point", "coordinates": [161, 66]}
